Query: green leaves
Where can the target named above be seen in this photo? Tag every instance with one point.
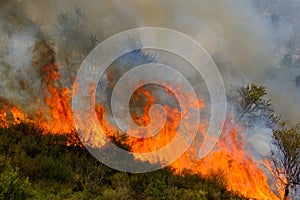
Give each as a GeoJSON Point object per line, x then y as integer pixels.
{"type": "Point", "coordinates": [253, 108]}
{"type": "Point", "coordinates": [13, 187]}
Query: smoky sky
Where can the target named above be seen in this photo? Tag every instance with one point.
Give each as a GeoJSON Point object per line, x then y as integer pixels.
{"type": "Point", "coordinates": [245, 40]}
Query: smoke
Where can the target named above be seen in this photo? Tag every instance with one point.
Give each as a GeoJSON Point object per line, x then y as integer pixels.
{"type": "Point", "coordinates": [20, 81]}
{"type": "Point", "coordinates": [246, 45]}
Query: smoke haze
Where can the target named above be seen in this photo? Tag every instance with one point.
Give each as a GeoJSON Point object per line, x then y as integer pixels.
{"type": "Point", "coordinates": [246, 45]}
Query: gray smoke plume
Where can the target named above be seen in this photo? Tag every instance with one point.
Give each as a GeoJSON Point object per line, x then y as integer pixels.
{"type": "Point", "coordinates": [20, 81]}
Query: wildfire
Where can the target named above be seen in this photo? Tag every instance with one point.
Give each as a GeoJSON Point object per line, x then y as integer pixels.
{"type": "Point", "coordinates": [58, 100]}
{"type": "Point", "coordinates": [10, 115]}
{"type": "Point", "coordinates": [241, 173]}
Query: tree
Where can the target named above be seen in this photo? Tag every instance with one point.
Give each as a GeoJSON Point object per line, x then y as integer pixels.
{"type": "Point", "coordinates": [252, 106]}
{"type": "Point", "coordinates": [73, 39]}
{"type": "Point", "coordinates": [286, 156]}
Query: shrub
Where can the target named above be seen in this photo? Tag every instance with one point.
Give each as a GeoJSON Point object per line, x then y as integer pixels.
{"type": "Point", "coordinates": [13, 187]}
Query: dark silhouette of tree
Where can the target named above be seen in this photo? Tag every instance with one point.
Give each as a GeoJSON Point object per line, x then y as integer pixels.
{"type": "Point", "coordinates": [286, 156]}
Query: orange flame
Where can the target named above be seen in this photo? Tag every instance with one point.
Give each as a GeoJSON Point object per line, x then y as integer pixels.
{"type": "Point", "coordinates": [242, 174]}
{"type": "Point", "coordinates": [58, 100]}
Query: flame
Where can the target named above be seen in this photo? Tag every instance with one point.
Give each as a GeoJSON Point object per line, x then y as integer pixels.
{"type": "Point", "coordinates": [241, 172]}
{"type": "Point", "coordinates": [58, 118]}
{"type": "Point", "coordinates": [12, 115]}
{"type": "Point", "coordinates": [58, 100]}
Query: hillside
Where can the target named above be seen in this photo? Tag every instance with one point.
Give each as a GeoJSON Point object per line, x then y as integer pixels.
{"type": "Point", "coordinates": [37, 166]}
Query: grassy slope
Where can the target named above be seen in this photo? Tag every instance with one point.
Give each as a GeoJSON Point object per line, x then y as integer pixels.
{"type": "Point", "coordinates": [36, 166]}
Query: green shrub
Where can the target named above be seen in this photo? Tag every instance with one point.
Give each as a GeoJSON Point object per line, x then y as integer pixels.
{"type": "Point", "coordinates": [116, 194]}
{"type": "Point", "coordinates": [13, 187]}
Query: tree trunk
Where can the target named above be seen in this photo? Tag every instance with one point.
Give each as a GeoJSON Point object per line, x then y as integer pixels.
{"type": "Point", "coordinates": [286, 192]}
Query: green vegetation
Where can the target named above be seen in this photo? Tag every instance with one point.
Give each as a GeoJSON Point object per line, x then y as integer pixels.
{"type": "Point", "coordinates": [37, 166]}
{"type": "Point", "coordinates": [252, 107]}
